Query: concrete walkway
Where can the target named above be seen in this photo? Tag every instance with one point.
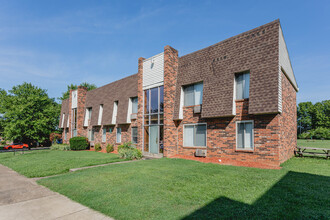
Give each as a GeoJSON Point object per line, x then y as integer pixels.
{"type": "Point", "coordinates": [23, 198]}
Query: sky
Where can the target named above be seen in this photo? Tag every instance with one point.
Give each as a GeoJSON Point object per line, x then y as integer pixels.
{"type": "Point", "coordinates": [55, 43]}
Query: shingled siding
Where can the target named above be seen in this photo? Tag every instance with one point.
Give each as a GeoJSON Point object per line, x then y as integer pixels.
{"type": "Point", "coordinates": [255, 51]}
{"type": "Point", "coordinates": [120, 91]}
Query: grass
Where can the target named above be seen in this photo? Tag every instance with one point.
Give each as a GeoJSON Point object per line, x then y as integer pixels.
{"type": "Point", "coordinates": [313, 143]}
{"type": "Point", "coordinates": [183, 189]}
{"type": "Point", "coordinates": [49, 162]}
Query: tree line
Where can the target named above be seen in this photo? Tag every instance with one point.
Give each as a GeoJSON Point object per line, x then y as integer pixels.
{"type": "Point", "coordinates": [313, 120]}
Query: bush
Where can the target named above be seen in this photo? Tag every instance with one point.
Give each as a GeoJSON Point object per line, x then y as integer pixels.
{"type": "Point", "coordinates": [318, 133]}
{"type": "Point", "coordinates": [110, 148]}
{"type": "Point", "coordinates": [3, 142]}
{"type": "Point", "coordinates": [126, 145]}
{"type": "Point", "coordinates": [126, 151]}
{"type": "Point", "coordinates": [54, 136]}
{"type": "Point", "coordinates": [60, 147]}
{"type": "Point", "coordinates": [1, 147]}
{"type": "Point", "coordinates": [97, 147]}
{"type": "Point", "coordinates": [78, 143]}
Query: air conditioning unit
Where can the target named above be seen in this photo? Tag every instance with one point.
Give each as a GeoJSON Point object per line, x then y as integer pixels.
{"type": "Point", "coordinates": [200, 153]}
{"type": "Point", "coordinates": [197, 109]}
{"type": "Point", "coordinates": [133, 116]}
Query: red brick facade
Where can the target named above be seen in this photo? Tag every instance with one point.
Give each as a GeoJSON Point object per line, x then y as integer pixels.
{"type": "Point", "coordinates": [272, 99]}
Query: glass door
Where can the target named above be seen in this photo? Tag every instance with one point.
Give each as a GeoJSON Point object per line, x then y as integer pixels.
{"type": "Point", "coordinates": [153, 139]}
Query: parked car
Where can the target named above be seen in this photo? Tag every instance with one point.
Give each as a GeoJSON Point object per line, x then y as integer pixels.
{"type": "Point", "coordinates": [16, 146]}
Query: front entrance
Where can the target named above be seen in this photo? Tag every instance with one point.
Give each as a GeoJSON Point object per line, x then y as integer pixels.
{"type": "Point", "coordinates": [153, 123]}
{"type": "Point", "coordinates": [153, 139]}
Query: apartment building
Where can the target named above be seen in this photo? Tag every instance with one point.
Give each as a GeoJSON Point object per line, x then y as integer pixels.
{"type": "Point", "coordinates": [233, 102]}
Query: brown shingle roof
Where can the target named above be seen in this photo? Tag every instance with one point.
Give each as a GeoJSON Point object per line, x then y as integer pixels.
{"type": "Point", "coordinates": [216, 65]}
{"type": "Point", "coordinates": [120, 91]}
{"type": "Point", "coordinates": [64, 110]}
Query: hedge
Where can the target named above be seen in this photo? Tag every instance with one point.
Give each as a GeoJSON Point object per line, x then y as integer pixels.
{"type": "Point", "coordinates": [78, 143]}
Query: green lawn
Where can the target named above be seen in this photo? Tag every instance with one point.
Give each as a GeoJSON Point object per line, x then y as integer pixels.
{"type": "Point", "coordinates": [183, 189]}
{"type": "Point", "coordinates": [313, 143]}
{"type": "Point", "coordinates": [41, 163]}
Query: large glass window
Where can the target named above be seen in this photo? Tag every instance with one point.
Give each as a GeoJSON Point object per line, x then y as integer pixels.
{"type": "Point", "coordinates": [118, 138]}
{"type": "Point", "coordinates": [194, 135]}
{"type": "Point", "coordinates": [134, 135]}
{"type": "Point", "coordinates": [193, 94]}
{"type": "Point", "coordinates": [244, 135]}
{"type": "Point", "coordinates": [153, 120]}
{"type": "Point", "coordinates": [134, 105]}
{"type": "Point", "coordinates": [242, 85]}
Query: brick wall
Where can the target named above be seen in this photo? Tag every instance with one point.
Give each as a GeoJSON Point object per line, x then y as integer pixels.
{"type": "Point", "coordinates": [170, 76]}
{"type": "Point", "coordinates": [288, 120]}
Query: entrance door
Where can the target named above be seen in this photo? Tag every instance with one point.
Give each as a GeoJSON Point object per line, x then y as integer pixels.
{"type": "Point", "coordinates": [153, 141]}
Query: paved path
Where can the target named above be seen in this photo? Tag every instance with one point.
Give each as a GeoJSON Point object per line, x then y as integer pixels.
{"type": "Point", "coordinates": [23, 198]}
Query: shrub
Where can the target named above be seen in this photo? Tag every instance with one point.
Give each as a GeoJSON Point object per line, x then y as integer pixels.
{"type": "Point", "coordinates": [60, 147]}
{"type": "Point", "coordinates": [78, 143]}
{"type": "Point", "coordinates": [54, 136]}
{"type": "Point", "coordinates": [127, 151]}
{"type": "Point", "coordinates": [126, 145]}
{"type": "Point", "coordinates": [97, 147]}
{"type": "Point", "coordinates": [3, 142]}
{"type": "Point", "coordinates": [318, 133]}
{"type": "Point", "coordinates": [110, 148]}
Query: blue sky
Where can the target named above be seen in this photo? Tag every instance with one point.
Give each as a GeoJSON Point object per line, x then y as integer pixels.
{"type": "Point", "coordinates": [56, 43]}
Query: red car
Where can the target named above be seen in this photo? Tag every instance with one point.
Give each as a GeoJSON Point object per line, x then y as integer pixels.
{"type": "Point", "coordinates": [16, 146]}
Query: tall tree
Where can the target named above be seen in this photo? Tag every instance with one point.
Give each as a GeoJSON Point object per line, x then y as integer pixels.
{"type": "Point", "coordinates": [66, 94]}
{"type": "Point", "coordinates": [305, 111]}
{"type": "Point", "coordinates": [28, 113]}
{"type": "Point", "coordinates": [321, 114]}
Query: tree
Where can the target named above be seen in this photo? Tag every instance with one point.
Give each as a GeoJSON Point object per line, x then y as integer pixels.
{"type": "Point", "coordinates": [28, 113]}
{"type": "Point", "coordinates": [66, 94]}
{"type": "Point", "coordinates": [321, 114]}
{"type": "Point", "coordinates": [305, 111]}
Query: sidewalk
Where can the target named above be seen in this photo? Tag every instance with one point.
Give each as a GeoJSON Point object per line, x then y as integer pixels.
{"type": "Point", "coordinates": [23, 198]}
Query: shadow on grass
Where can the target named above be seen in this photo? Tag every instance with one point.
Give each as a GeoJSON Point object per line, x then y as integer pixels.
{"type": "Point", "coordinates": [295, 196]}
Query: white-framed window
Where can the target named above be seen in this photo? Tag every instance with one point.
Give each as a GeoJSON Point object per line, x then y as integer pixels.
{"type": "Point", "coordinates": [88, 116]}
{"type": "Point", "coordinates": [104, 134]}
{"type": "Point", "coordinates": [63, 117]}
{"type": "Point", "coordinates": [194, 135]}
{"type": "Point", "coordinates": [99, 121]}
{"type": "Point", "coordinates": [193, 94]}
{"type": "Point", "coordinates": [242, 85]}
{"type": "Point", "coordinates": [134, 135]}
{"type": "Point", "coordinates": [244, 135]}
{"type": "Point", "coordinates": [118, 136]}
{"type": "Point", "coordinates": [134, 105]}
{"type": "Point", "coordinates": [91, 134]}
{"type": "Point", "coordinates": [114, 112]}
{"type": "Point", "coordinates": [65, 134]}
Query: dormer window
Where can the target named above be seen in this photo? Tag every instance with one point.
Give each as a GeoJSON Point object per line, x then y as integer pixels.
{"type": "Point", "coordinates": [114, 112]}
{"type": "Point", "coordinates": [134, 105]}
{"type": "Point", "coordinates": [99, 121]}
{"type": "Point", "coordinates": [193, 94]}
{"type": "Point", "coordinates": [88, 116]}
{"type": "Point", "coordinates": [242, 85]}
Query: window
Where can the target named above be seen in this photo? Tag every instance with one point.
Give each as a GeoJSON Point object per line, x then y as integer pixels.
{"type": "Point", "coordinates": [100, 115]}
{"type": "Point", "coordinates": [114, 112]}
{"type": "Point", "coordinates": [242, 85]}
{"type": "Point", "coordinates": [193, 94]}
{"type": "Point", "coordinates": [74, 122]}
{"type": "Point", "coordinates": [104, 134]}
{"type": "Point", "coordinates": [194, 135]}
{"type": "Point", "coordinates": [88, 116]}
{"type": "Point", "coordinates": [134, 135]}
{"type": "Point", "coordinates": [110, 130]}
{"type": "Point", "coordinates": [244, 135]}
{"type": "Point", "coordinates": [92, 134]}
{"type": "Point", "coordinates": [118, 139]}
{"type": "Point", "coordinates": [63, 117]}
{"type": "Point", "coordinates": [66, 134]}
{"type": "Point", "coordinates": [134, 105]}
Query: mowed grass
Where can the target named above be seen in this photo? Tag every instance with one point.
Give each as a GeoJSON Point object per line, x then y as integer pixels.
{"type": "Point", "coordinates": [313, 143]}
{"type": "Point", "coordinates": [183, 189]}
{"type": "Point", "coordinates": [42, 163]}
